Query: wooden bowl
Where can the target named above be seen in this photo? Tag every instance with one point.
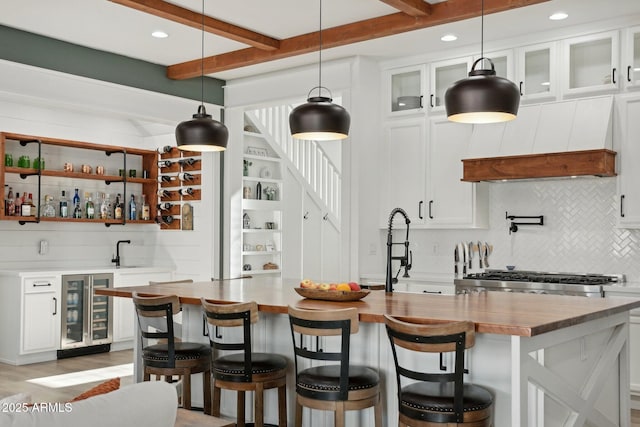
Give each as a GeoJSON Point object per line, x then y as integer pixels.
{"type": "Point", "coordinates": [332, 295]}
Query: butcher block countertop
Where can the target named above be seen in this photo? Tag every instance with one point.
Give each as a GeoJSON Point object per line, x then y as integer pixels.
{"type": "Point", "coordinates": [492, 312]}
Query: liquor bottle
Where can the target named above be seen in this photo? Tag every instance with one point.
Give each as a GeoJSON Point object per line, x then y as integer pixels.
{"type": "Point", "coordinates": [48, 209]}
{"type": "Point", "coordinates": [64, 206]}
{"type": "Point", "coordinates": [89, 209]}
{"type": "Point", "coordinates": [165, 206]}
{"type": "Point", "coordinates": [163, 193]}
{"type": "Point", "coordinates": [146, 210]}
{"type": "Point", "coordinates": [185, 176]}
{"type": "Point", "coordinates": [77, 210]}
{"type": "Point", "coordinates": [164, 163]}
{"type": "Point", "coordinates": [188, 191]}
{"type": "Point", "coordinates": [27, 207]}
{"type": "Point", "coordinates": [76, 198]}
{"type": "Point", "coordinates": [164, 150]}
{"type": "Point", "coordinates": [166, 178]}
{"type": "Point", "coordinates": [117, 210]}
{"type": "Point", "coordinates": [105, 210]}
{"type": "Point", "coordinates": [11, 203]}
{"type": "Point", "coordinates": [18, 205]}
{"type": "Point", "coordinates": [164, 219]}
{"type": "Point", "coordinates": [189, 161]}
{"type": "Point", "coordinates": [259, 191]}
{"type": "Point", "coordinates": [133, 209]}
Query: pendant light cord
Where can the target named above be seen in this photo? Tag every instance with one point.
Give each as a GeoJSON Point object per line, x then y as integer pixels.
{"type": "Point", "coordinates": [202, 59]}
{"type": "Point", "coordinates": [482, 30]}
{"type": "Point", "coordinates": [320, 53]}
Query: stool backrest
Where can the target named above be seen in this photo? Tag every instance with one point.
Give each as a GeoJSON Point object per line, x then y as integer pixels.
{"type": "Point", "coordinates": [432, 338]}
{"type": "Point", "coordinates": [324, 323]}
{"type": "Point", "coordinates": [155, 320]}
{"type": "Point", "coordinates": [240, 315]}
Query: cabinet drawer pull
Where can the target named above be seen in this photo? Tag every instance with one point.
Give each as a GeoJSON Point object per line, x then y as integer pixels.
{"type": "Point", "coordinates": [421, 97]}
{"type": "Point", "coordinates": [40, 284]}
{"type": "Point", "coordinates": [420, 209]}
{"type": "Point", "coordinates": [613, 76]}
{"type": "Point", "coordinates": [55, 306]}
{"type": "Point", "coordinates": [521, 94]}
{"type": "Point", "coordinates": [430, 206]}
{"type": "Point", "coordinates": [432, 292]}
{"type": "Point", "coordinates": [621, 205]}
{"type": "Point", "coordinates": [629, 73]}
{"type": "Point", "coordinates": [431, 101]}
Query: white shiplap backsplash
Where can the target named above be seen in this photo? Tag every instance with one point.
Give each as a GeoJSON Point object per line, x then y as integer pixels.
{"type": "Point", "coordinates": [579, 232]}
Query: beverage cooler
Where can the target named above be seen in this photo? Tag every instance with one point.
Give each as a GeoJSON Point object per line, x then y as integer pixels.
{"type": "Point", "coordinates": [86, 318]}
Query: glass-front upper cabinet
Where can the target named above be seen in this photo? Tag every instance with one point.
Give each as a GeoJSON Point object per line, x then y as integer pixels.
{"type": "Point", "coordinates": [591, 63]}
{"type": "Point", "coordinates": [443, 74]}
{"type": "Point", "coordinates": [404, 90]}
{"type": "Point", "coordinates": [631, 58]}
{"type": "Point", "coordinates": [536, 72]}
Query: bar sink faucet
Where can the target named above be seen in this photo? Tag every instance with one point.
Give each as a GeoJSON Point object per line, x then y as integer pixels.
{"type": "Point", "coordinates": [405, 260]}
{"type": "Point", "coordinates": [116, 259]}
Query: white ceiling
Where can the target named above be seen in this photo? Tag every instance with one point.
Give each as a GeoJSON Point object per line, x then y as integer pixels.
{"type": "Point", "coordinates": [110, 27]}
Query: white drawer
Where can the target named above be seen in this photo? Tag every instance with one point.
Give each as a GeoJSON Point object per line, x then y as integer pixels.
{"type": "Point", "coordinates": [40, 284]}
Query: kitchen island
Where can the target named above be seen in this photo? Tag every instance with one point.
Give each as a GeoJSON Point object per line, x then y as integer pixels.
{"type": "Point", "coordinates": [549, 360]}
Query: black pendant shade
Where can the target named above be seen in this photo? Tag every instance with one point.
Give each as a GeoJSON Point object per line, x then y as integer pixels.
{"type": "Point", "coordinates": [319, 119]}
{"type": "Point", "coordinates": [202, 133]}
{"type": "Point", "coordinates": [482, 97]}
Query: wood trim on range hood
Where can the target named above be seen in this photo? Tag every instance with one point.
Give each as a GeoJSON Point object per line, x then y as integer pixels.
{"type": "Point", "coordinates": [549, 165]}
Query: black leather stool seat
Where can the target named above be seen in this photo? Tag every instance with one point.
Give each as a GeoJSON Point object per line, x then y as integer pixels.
{"type": "Point", "coordinates": [427, 401]}
{"type": "Point", "coordinates": [261, 363]}
{"type": "Point", "coordinates": [327, 379]}
{"type": "Point", "coordinates": [183, 351]}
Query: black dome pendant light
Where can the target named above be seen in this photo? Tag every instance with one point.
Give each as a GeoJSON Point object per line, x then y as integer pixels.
{"type": "Point", "coordinates": [483, 97]}
{"type": "Point", "coordinates": [319, 118]}
{"type": "Point", "coordinates": [202, 133]}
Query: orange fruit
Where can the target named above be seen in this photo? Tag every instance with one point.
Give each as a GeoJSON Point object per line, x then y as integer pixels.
{"type": "Point", "coordinates": [343, 287]}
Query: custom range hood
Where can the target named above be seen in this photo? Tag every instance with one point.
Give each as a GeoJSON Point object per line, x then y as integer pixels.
{"type": "Point", "coordinates": [559, 139]}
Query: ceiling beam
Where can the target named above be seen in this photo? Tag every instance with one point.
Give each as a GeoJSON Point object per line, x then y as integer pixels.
{"type": "Point", "coordinates": [193, 19]}
{"type": "Point", "coordinates": [388, 25]}
{"type": "Point", "coordinates": [410, 7]}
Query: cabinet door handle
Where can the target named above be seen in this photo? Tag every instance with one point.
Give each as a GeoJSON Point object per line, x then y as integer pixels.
{"type": "Point", "coordinates": [432, 292]}
{"type": "Point", "coordinates": [40, 284]}
{"type": "Point", "coordinates": [621, 205]}
{"type": "Point", "coordinates": [613, 76]}
{"type": "Point", "coordinates": [306, 215]}
{"type": "Point", "coordinates": [55, 306]}
{"type": "Point", "coordinates": [420, 209]}
{"type": "Point", "coordinates": [430, 206]}
{"type": "Point", "coordinates": [629, 73]}
{"type": "Point", "coordinates": [421, 97]}
{"type": "Point", "coordinates": [431, 100]}
{"type": "Point", "coordinates": [521, 94]}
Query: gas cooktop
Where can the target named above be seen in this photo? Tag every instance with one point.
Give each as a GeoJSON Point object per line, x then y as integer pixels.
{"type": "Point", "coordinates": [546, 277]}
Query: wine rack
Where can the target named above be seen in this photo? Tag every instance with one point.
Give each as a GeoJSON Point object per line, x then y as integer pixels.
{"type": "Point", "coordinates": [180, 162]}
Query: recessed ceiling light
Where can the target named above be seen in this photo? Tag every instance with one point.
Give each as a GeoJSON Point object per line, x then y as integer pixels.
{"type": "Point", "coordinates": [159, 34]}
{"type": "Point", "coordinates": [545, 84]}
{"type": "Point", "coordinates": [558, 16]}
{"type": "Point", "coordinates": [449, 38]}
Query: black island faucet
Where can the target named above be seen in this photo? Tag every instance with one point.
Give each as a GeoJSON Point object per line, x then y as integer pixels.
{"type": "Point", "coordinates": [116, 259]}
{"type": "Point", "coordinates": [405, 260]}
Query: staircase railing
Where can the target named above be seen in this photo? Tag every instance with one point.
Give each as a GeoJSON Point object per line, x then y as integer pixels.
{"type": "Point", "coordinates": [318, 173]}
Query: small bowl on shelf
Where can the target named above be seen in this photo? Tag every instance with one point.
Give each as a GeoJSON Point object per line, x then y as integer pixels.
{"type": "Point", "coordinates": [511, 267]}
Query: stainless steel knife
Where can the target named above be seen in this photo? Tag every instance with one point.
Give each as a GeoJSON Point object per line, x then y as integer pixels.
{"type": "Point", "coordinates": [470, 255]}
{"type": "Point", "coordinates": [480, 255]}
{"type": "Point", "coordinates": [456, 259]}
{"type": "Point", "coordinates": [465, 255]}
{"type": "Point", "coordinates": [487, 251]}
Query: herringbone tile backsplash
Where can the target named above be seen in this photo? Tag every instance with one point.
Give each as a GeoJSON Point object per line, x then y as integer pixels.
{"type": "Point", "coordinates": [579, 232]}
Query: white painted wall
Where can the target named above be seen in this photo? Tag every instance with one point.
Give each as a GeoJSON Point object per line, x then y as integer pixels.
{"type": "Point", "coordinates": [45, 103]}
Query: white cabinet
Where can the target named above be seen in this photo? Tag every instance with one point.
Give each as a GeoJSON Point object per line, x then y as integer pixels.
{"type": "Point", "coordinates": [631, 58]}
{"type": "Point", "coordinates": [432, 288]}
{"type": "Point", "coordinates": [452, 203]}
{"type": "Point", "coordinates": [442, 75]}
{"type": "Point", "coordinates": [590, 64]}
{"type": "Point", "coordinates": [628, 148]}
{"type": "Point", "coordinates": [404, 90]}
{"type": "Point", "coordinates": [262, 184]}
{"type": "Point", "coordinates": [40, 321]}
{"type": "Point", "coordinates": [123, 312]}
{"type": "Point", "coordinates": [536, 72]}
{"type": "Point", "coordinates": [403, 175]}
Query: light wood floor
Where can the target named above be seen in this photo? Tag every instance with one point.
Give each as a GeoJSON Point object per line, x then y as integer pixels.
{"type": "Point", "coordinates": [13, 378]}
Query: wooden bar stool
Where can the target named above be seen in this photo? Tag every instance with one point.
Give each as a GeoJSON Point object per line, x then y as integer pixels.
{"type": "Point", "coordinates": [163, 354]}
{"type": "Point", "coordinates": [433, 397]}
{"type": "Point", "coordinates": [336, 387]}
{"type": "Point", "coordinates": [246, 370]}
